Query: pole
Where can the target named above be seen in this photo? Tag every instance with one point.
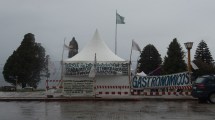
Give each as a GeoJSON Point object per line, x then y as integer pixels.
{"type": "Point", "coordinates": [94, 78]}
{"type": "Point", "coordinates": [129, 70]}
{"type": "Point", "coordinates": [189, 65]}
{"type": "Point", "coordinates": [137, 65]}
{"type": "Point", "coordinates": [116, 35]}
{"type": "Point", "coordinates": [188, 46]}
{"type": "Point", "coordinates": [16, 82]}
{"type": "Point", "coordinates": [62, 71]}
{"type": "Point", "coordinates": [47, 84]}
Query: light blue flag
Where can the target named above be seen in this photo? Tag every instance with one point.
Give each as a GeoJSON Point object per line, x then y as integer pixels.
{"type": "Point", "coordinates": [119, 19]}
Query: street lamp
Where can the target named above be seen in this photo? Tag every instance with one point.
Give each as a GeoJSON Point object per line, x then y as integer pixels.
{"type": "Point", "coordinates": [188, 46]}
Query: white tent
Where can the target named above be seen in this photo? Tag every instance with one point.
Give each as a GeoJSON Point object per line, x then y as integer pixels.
{"type": "Point", "coordinates": [111, 71]}
{"type": "Point", "coordinates": [95, 46]}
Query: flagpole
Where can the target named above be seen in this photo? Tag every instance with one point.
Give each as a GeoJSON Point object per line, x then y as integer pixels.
{"type": "Point", "coordinates": [129, 71]}
{"type": "Point", "coordinates": [130, 55]}
{"type": "Point", "coordinates": [94, 78]}
{"type": "Point", "coordinates": [137, 65]}
{"type": "Point", "coordinates": [62, 66]}
{"type": "Point", "coordinates": [135, 47]}
{"type": "Point", "coordinates": [116, 35]}
{"type": "Point", "coordinates": [62, 59]}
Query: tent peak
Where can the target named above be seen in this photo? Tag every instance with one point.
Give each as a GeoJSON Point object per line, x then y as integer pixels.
{"type": "Point", "coordinates": [98, 46]}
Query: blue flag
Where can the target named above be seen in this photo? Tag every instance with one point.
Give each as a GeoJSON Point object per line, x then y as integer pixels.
{"type": "Point", "coordinates": [119, 19]}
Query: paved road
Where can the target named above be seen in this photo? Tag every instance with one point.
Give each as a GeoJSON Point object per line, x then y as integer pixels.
{"type": "Point", "coordinates": [107, 110]}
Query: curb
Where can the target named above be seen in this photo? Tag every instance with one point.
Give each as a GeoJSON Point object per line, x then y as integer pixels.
{"type": "Point", "coordinates": [44, 99]}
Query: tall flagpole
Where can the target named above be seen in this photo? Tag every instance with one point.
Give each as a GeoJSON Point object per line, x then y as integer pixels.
{"type": "Point", "coordinates": [137, 65]}
{"type": "Point", "coordinates": [136, 47]}
{"type": "Point", "coordinates": [62, 59]}
{"type": "Point", "coordinates": [94, 78]}
{"type": "Point", "coordinates": [129, 71]}
{"type": "Point", "coordinates": [62, 71]}
{"type": "Point", "coordinates": [116, 35]}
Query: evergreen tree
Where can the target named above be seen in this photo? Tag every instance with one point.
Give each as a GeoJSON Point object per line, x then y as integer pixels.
{"type": "Point", "coordinates": [26, 63]}
{"type": "Point", "coordinates": [203, 60]}
{"type": "Point", "coordinates": [173, 62]}
{"type": "Point", "coordinates": [149, 60]}
{"type": "Point", "coordinates": [203, 53]}
{"type": "Point", "coordinates": [46, 72]}
{"type": "Point", "coordinates": [204, 69]}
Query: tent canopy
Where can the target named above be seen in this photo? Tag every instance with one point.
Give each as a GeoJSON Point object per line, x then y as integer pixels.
{"type": "Point", "coordinates": [95, 46]}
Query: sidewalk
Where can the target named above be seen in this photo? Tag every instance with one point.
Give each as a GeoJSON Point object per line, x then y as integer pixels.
{"type": "Point", "coordinates": [41, 96]}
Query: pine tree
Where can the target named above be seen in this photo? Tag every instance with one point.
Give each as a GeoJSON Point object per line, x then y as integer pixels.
{"type": "Point", "coordinates": [173, 62]}
{"type": "Point", "coordinates": [149, 60]}
{"type": "Point", "coordinates": [204, 69]}
{"type": "Point", "coordinates": [26, 63]}
{"type": "Point", "coordinates": [203, 60]}
{"type": "Point", "coordinates": [203, 53]}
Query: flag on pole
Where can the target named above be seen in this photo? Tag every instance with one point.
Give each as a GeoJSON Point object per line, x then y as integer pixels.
{"type": "Point", "coordinates": [119, 19]}
{"type": "Point", "coordinates": [195, 67]}
{"type": "Point", "coordinates": [135, 46]}
{"type": "Point", "coordinates": [92, 73]}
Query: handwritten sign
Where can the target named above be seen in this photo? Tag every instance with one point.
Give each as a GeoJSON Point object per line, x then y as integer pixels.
{"type": "Point", "coordinates": [101, 68]}
{"type": "Point", "coordinates": [78, 87]}
{"type": "Point", "coordinates": [180, 79]}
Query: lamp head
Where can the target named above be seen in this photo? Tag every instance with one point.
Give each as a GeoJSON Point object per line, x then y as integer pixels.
{"type": "Point", "coordinates": [188, 45]}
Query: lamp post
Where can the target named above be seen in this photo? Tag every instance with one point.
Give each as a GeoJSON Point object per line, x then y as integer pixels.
{"type": "Point", "coordinates": [188, 46]}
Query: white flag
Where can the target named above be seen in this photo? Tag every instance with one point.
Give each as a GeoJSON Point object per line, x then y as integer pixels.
{"type": "Point", "coordinates": [135, 46]}
{"type": "Point", "coordinates": [67, 47]}
{"type": "Point", "coordinates": [92, 73]}
{"type": "Point", "coordinates": [194, 66]}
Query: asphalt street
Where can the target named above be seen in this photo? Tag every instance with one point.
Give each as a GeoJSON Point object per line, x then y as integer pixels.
{"type": "Point", "coordinates": [108, 110]}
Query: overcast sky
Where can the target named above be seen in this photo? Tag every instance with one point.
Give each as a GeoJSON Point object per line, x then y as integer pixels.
{"type": "Point", "coordinates": [155, 22]}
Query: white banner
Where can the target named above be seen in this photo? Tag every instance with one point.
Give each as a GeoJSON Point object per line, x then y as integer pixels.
{"type": "Point", "coordinates": [101, 68]}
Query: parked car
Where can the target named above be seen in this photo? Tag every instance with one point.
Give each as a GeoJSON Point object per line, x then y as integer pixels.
{"type": "Point", "coordinates": [204, 88]}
